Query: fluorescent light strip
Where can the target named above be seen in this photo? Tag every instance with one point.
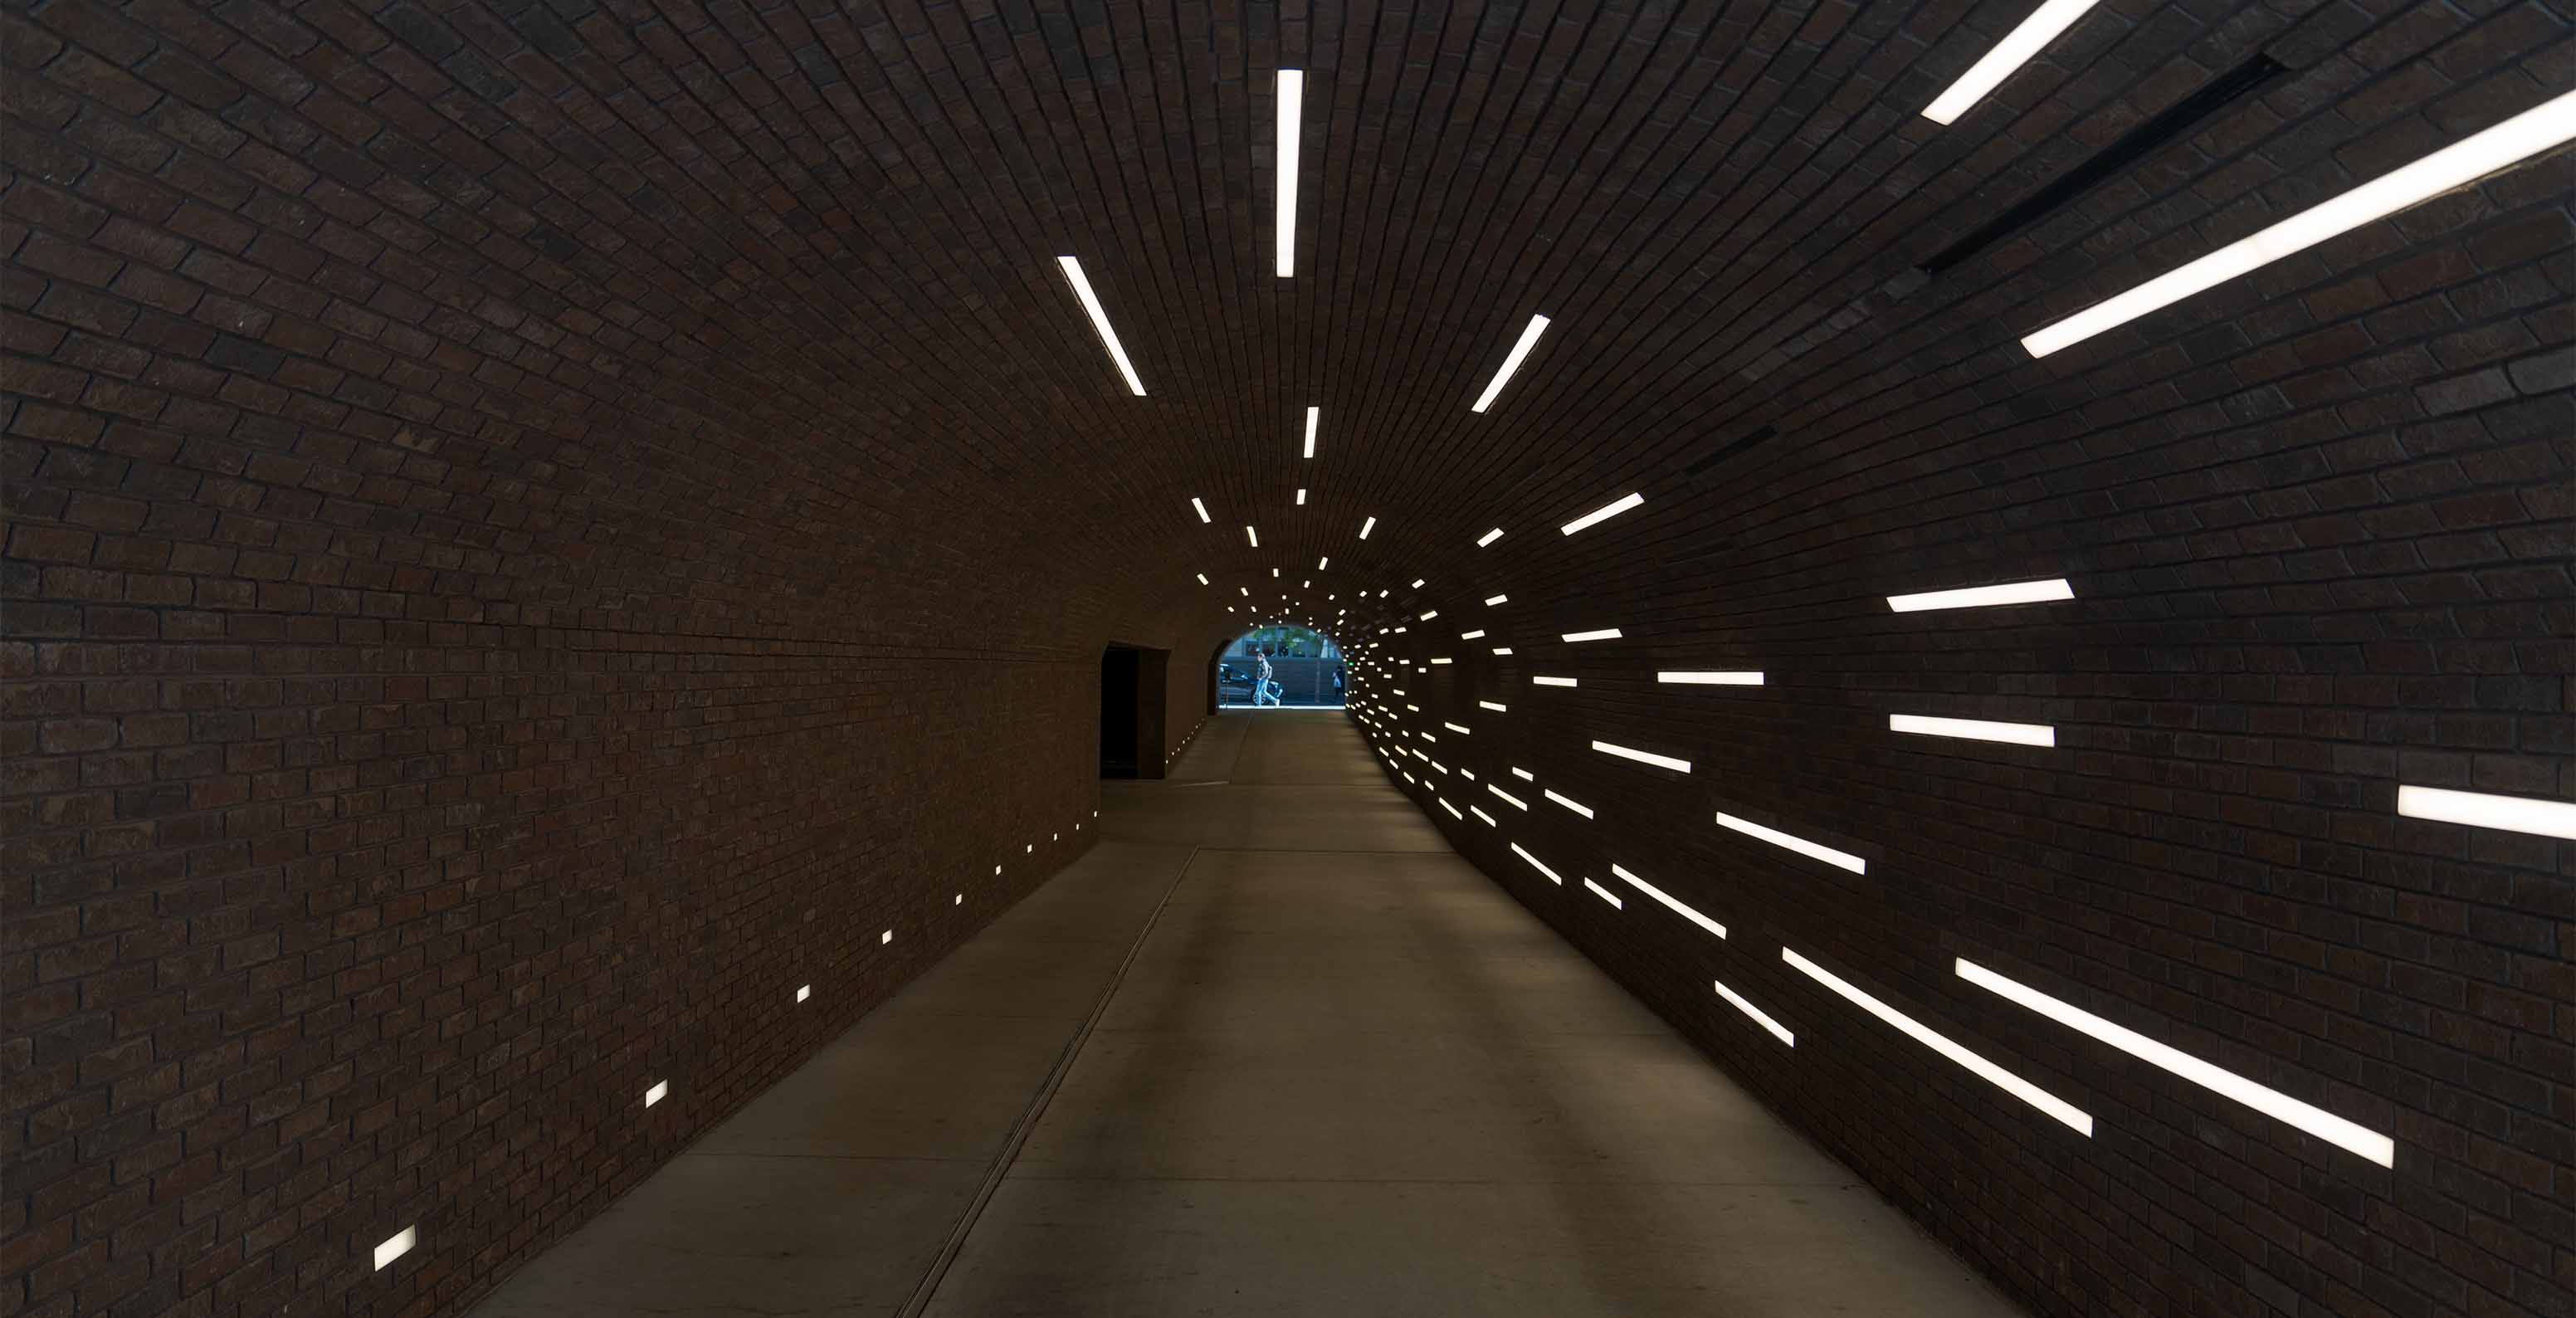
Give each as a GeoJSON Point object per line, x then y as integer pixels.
{"type": "Point", "coordinates": [1202, 576]}
{"type": "Point", "coordinates": [1523, 774]}
{"type": "Point", "coordinates": [1313, 414]}
{"type": "Point", "coordinates": [1320, 565]}
{"type": "Point", "coordinates": [1292, 101]}
{"type": "Point", "coordinates": [1440, 661]}
{"type": "Point", "coordinates": [660, 1089]}
{"type": "Point", "coordinates": [1504, 649]}
{"type": "Point", "coordinates": [1255, 537]}
{"type": "Point", "coordinates": [1643, 757]}
{"type": "Point", "coordinates": [1508, 798]}
{"type": "Point", "coordinates": [804, 991]}
{"type": "Point", "coordinates": [1417, 583]}
{"type": "Point", "coordinates": [396, 1245]}
{"type": "Point", "coordinates": [1552, 681]}
{"type": "Point", "coordinates": [1604, 634]}
{"type": "Point", "coordinates": [2005, 1080]}
{"type": "Point", "coordinates": [1536, 864]}
{"type": "Point", "coordinates": [1301, 496]}
{"type": "Point", "coordinates": [1476, 635]}
{"type": "Point", "coordinates": [1602, 514]}
{"type": "Point", "coordinates": [1492, 600]}
{"type": "Point", "coordinates": [1202, 509]}
{"type": "Point", "coordinates": [1456, 728]}
{"type": "Point", "coordinates": [2527, 134]}
{"type": "Point", "coordinates": [2015, 50]}
{"type": "Point", "coordinates": [1813, 850]}
{"type": "Point", "coordinates": [1606, 895]}
{"type": "Point", "coordinates": [1453, 810]}
{"type": "Point", "coordinates": [1480, 814]}
{"type": "Point", "coordinates": [1568, 802]}
{"type": "Point", "coordinates": [1365, 528]}
{"type": "Point", "coordinates": [1487, 704]}
{"type": "Point", "coordinates": [1100, 321]}
{"type": "Point", "coordinates": [1978, 597]}
{"type": "Point", "coordinates": [1760, 1017]}
{"type": "Point", "coordinates": [1428, 616]}
{"type": "Point", "coordinates": [2517, 814]}
{"type": "Point", "coordinates": [1666, 898]}
{"type": "Point", "coordinates": [1711, 679]}
{"type": "Point", "coordinates": [1520, 350]}
{"type": "Point", "coordinates": [2227, 1084]}
{"type": "Point", "coordinates": [1970, 729]}
{"type": "Point", "coordinates": [1489, 537]}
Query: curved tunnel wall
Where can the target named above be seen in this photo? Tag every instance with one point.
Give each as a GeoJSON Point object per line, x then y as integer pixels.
{"type": "Point", "coordinates": [537, 530]}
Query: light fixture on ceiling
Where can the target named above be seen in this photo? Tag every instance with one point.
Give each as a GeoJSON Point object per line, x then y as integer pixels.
{"type": "Point", "coordinates": [2016, 49]}
{"type": "Point", "coordinates": [1520, 350]}
{"type": "Point", "coordinates": [1602, 514]}
{"type": "Point", "coordinates": [1974, 597]}
{"type": "Point", "coordinates": [1489, 537]}
{"type": "Point", "coordinates": [1312, 414]}
{"type": "Point", "coordinates": [1202, 509]}
{"type": "Point", "coordinates": [1366, 527]}
{"type": "Point", "coordinates": [1253, 536]}
{"type": "Point", "coordinates": [1100, 321]}
{"type": "Point", "coordinates": [1603, 634]}
{"type": "Point", "coordinates": [1292, 100]}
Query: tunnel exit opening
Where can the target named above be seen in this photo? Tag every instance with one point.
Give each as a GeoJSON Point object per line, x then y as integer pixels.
{"type": "Point", "coordinates": [1280, 667]}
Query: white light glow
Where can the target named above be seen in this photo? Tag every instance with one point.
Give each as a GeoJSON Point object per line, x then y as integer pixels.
{"type": "Point", "coordinates": [1568, 802]}
{"type": "Point", "coordinates": [1417, 583]}
{"type": "Point", "coordinates": [1915, 1030]}
{"type": "Point", "coordinates": [1978, 597]}
{"type": "Point", "coordinates": [2518, 814]}
{"type": "Point", "coordinates": [1440, 661]}
{"type": "Point", "coordinates": [1444, 804]}
{"type": "Point", "coordinates": [1523, 774]}
{"type": "Point", "coordinates": [1676, 907]}
{"type": "Point", "coordinates": [1202, 509]}
{"type": "Point", "coordinates": [1254, 537]}
{"type": "Point", "coordinates": [1711, 679]}
{"type": "Point", "coordinates": [2015, 50]}
{"type": "Point", "coordinates": [1760, 1017]}
{"type": "Point", "coordinates": [1314, 415]}
{"type": "Point", "coordinates": [2529, 133]}
{"type": "Point", "coordinates": [888, 935]}
{"type": "Point", "coordinates": [1812, 850]}
{"type": "Point", "coordinates": [395, 1246]}
{"type": "Point", "coordinates": [1488, 704]}
{"type": "Point", "coordinates": [1301, 496]}
{"type": "Point", "coordinates": [1508, 799]}
{"type": "Point", "coordinates": [1292, 101]}
{"type": "Point", "coordinates": [1476, 635]}
{"type": "Point", "coordinates": [655, 1095]}
{"type": "Point", "coordinates": [1202, 576]}
{"type": "Point", "coordinates": [1100, 321]}
{"type": "Point", "coordinates": [1536, 864]}
{"type": "Point", "coordinates": [1505, 649]}
{"type": "Point", "coordinates": [1480, 814]}
{"type": "Point", "coordinates": [1520, 351]}
{"type": "Point", "coordinates": [1460, 729]}
{"type": "Point", "coordinates": [1489, 537]}
{"type": "Point", "coordinates": [1492, 600]}
{"type": "Point", "coordinates": [2227, 1084]}
{"type": "Point", "coordinates": [1320, 565]}
{"type": "Point", "coordinates": [1428, 616]}
{"type": "Point", "coordinates": [1365, 528]}
{"type": "Point", "coordinates": [1602, 634]}
{"type": "Point", "coordinates": [2021, 734]}
{"type": "Point", "coordinates": [1602, 514]}
{"type": "Point", "coordinates": [1606, 895]}
{"type": "Point", "coordinates": [1552, 681]}
{"type": "Point", "coordinates": [804, 991]}
{"type": "Point", "coordinates": [1643, 757]}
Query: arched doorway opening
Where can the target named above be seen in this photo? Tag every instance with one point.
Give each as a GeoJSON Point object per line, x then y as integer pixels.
{"type": "Point", "coordinates": [1279, 667]}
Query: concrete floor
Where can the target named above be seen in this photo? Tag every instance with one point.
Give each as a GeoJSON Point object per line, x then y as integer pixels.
{"type": "Point", "coordinates": [1270, 1048]}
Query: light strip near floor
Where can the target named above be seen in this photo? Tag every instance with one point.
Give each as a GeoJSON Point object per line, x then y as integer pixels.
{"type": "Point", "coordinates": [2268, 1101]}
{"type": "Point", "coordinates": [1978, 597]}
{"type": "Point", "coordinates": [1667, 899]}
{"type": "Point", "coordinates": [1606, 895]}
{"type": "Point", "coordinates": [1711, 679]}
{"type": "Point", "coordinates": [1643, 757]}
{"type": "Point", "coordinates": [1480, 814]}
{"type": "Point", "coordinates": [2527, 134]}
{"type": "Point", "coordinates": [1814, 850]}
{"type": "Point", "coordinates": [1520, 350]}
{"type": "Point", "coordinates": [1508, 798]}
{"type": "Point", "coordinates": [1535, 864]}
{"type": "Point", "coordinates": [1568, 802]}
{"type": "Point", "coordinates": [1602, 514]}
{"type": "Point", "coordinates": [1292, 102]}
{"type": "Point", "coordinates": [2015, 50]}
{"type": "Point", "coordinates": [2074, 1117]}
{"type": "Point", "coordinates": [1778, 1031]}
{"type": "Point", "coordinates": [2518, 814]}
{"type": "Point", "coordinates": [1313, 414]}
{"type": "Point", "coordinates": [1973, 729]}
{"type": "Point", "coordinates": [1100, 321]}
{"type": "Point", "coordinates": [1444, 803]}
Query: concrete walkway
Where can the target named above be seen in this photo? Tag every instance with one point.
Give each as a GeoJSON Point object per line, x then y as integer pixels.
{"type": "Point", "coordinates": [1270, 1048]}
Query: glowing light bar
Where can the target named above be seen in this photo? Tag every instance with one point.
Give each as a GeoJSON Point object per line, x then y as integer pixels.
{"type": "Point", "coordinates": [2022, 734]}
{"type": "Point", "coordinates": [1292, 102]}
{"type": "Point", "coordinates": [1202, 576]}
{"type": "Point", "coordinates": [1552, 681]}
{"type": "Point", "coordinates": [1711, 679]}
{"type": "Point", "coordinates": [1643, 757]}
{"type": "Point", "coordinates": [1602, 514]}
{"type": "Point", "coordinates": [2519, 814]}
{"type": "Point", "coordinates": [1476, 635]}
{"type": "Point", "coordinates": [1765, 1021]}
{"type": "Point", "coordinates": [1603, 634]}
{"type": "Point", "coordinates": [1670, 903]}
{"type": "Point", "coordinates": [1202, 509]}
{"type": "Point", "coordinates": [1606, 895]}
{"type": "Point", "coordinates": [1456, 728]}
{"type": "Point", "coordinates": [2015, 50]}
{"type": "Point", "coordinates": [1978, 597]}
{"type": "Point", "coordinates": [1488, 704]}
{"type": "Point", "coordinates": [1255, 538]}
{"type": "Point", "coordinates": [1301, 496]}
{"type": "Point", "coordinates": [1480, 814]}
{"type": "Point", "coordinates": [1417, 583]}
{"type": "Point", "coordinates": [1247, 591]}
{"type": "Point", "coordinates": [1523, 774]}
{"type": "Point", "coordinates": [1520, 351]}
{"type": "Point", "coordinates": [888, 935]}
{"type": "Point", "coordinates": [1489, 537]}
{"type": "Point", "coordinates": [1508, 799]}
{"type": "Point", "coordinates": [660, 1089]}
{"type": "Point", "coordinates": [1321, 564]}
{"type": "Point", "coordinates": [1915, 1030]}
{"type": "Point", "coordinates": [1492, 600]}
{"type": "Point", "coordinates": [1536, 864]}
{"type": "Point", "coordinates": [1365, 528]}
{"type": "Point", "coordinates": [804, 991]}
{"type": "Point", "coordinates": [1502, 649]}
{"type": "Point", "coordinates": [395, 1246]}
{"type": "Point", "coordinates": [2227, 1084]}
{"type": "Point", "coordinates": [1568, 802]}
{"type": "Point", "coordinates": [1100, 321]}
{"type": "Point", "coordinates": [1313, 415]}
{"type": "Point", "coordinates": [1440, 661]}
{"type": "Point", "coordinates": [1428, 616]}
{"type": "Point", "coordinates": [2529, 133]}
{"type": "Point", "coordinates": [1444, 804]}
{"type": "Point", "coordinates": [1792, 842]}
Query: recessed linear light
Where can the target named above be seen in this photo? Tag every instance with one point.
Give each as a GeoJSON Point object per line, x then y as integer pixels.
{"type": "Point", "coordinates": [2015, 50]}
{"type": "Point", "coordinates": [396, 1245]}
{"type": "Point", "coordinates": [1274, 572]}
{"type": "Point", "coordinates": [2527, 134]}
{"type": "Point", "coordinates": [1711, 679]}
{"type": "Point", "coordinates": [1492, 600]}
{"type": "Point", "coordinates": [1602, 514]}
{"type": "Point", "coordinates": [1520, 350]}
{"type": "Point", "coordinates": [1365, 528]}
{"type": "Point", "coordinates": [2227, 1084]}
{"type": "Point", "coordinates": [1457, 728]}
{"type": "Point", "coordinates": [2518, 814]}
{"type": "Point", "coordinates": [1489, 537]}
{"type": "Point", "coordinates": [1292, 101]}
{"type": "Point", "coordinates": [1320, 565]}
{"type": "Point", "coordinates": [1983, 1069]}
{"type": "Point", "coordinates": [1606, 895]}
{"type": "Point", "coordinates": [1440, 661]}
{"type": "Point", "coordinates": [2022, 734]}
{"type": "Point", "coordinates": [1313, 414]}
{"type": "Point", "coordinates": [1417, 583]}
{"type": "Point", "coordinates": [1475, 635]}
{"type": "Point", "coordinates": [1502, 649]}
{"type": "Point", "coordinates": [1568, 802]}
{"type": "Point", "coordinates": [1255, 537]}
{"type": "Point", "coordinates": [1301, 496]}
{"type": "Point", "coordinates": [1247, 591]}
{"type": "Point", "coordinates": [1428, 616]}
{"type": "Point", "coordinates": [1100, 321]}
{"type": "Point", "coordinates": [1523, 774]}
{"type": "Point", "coordinates": [1813, 850]}
{"type": "Point", "coordinates": [804, 991]}
{"type": "Point", "coordinates": [1643, 757]}
{"type": "Point", "coordinates": [1487, 704]}
{"type": "Point", "coordinates": [1202, 576]}
{"type": "Point", "coordinates": [1534, 862]}
{"type": "Point", "coordinates": [660, 1089]}
{"type": "Point", "coordinates": [1759, 1016]}
{"type": "Point", "coordinates": [888, 935]}
{"type": "Point", "coordinates": [1480, 814]}
{"type": "Point", "coordinates": [1603, 634]}
{"type": "Point", "coordinates": [1552, 681]}
{"type": "Point", "coordinates": [1667, 899]}
{"type": "Point", "coordinates": [1508, 799]}
{"type": "Point", "coordinates": [1453, 810]}
{"type": "Point", "coordinates": [1202, 509]}
{"type": "Point", "coordinates": [1978, 597]}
